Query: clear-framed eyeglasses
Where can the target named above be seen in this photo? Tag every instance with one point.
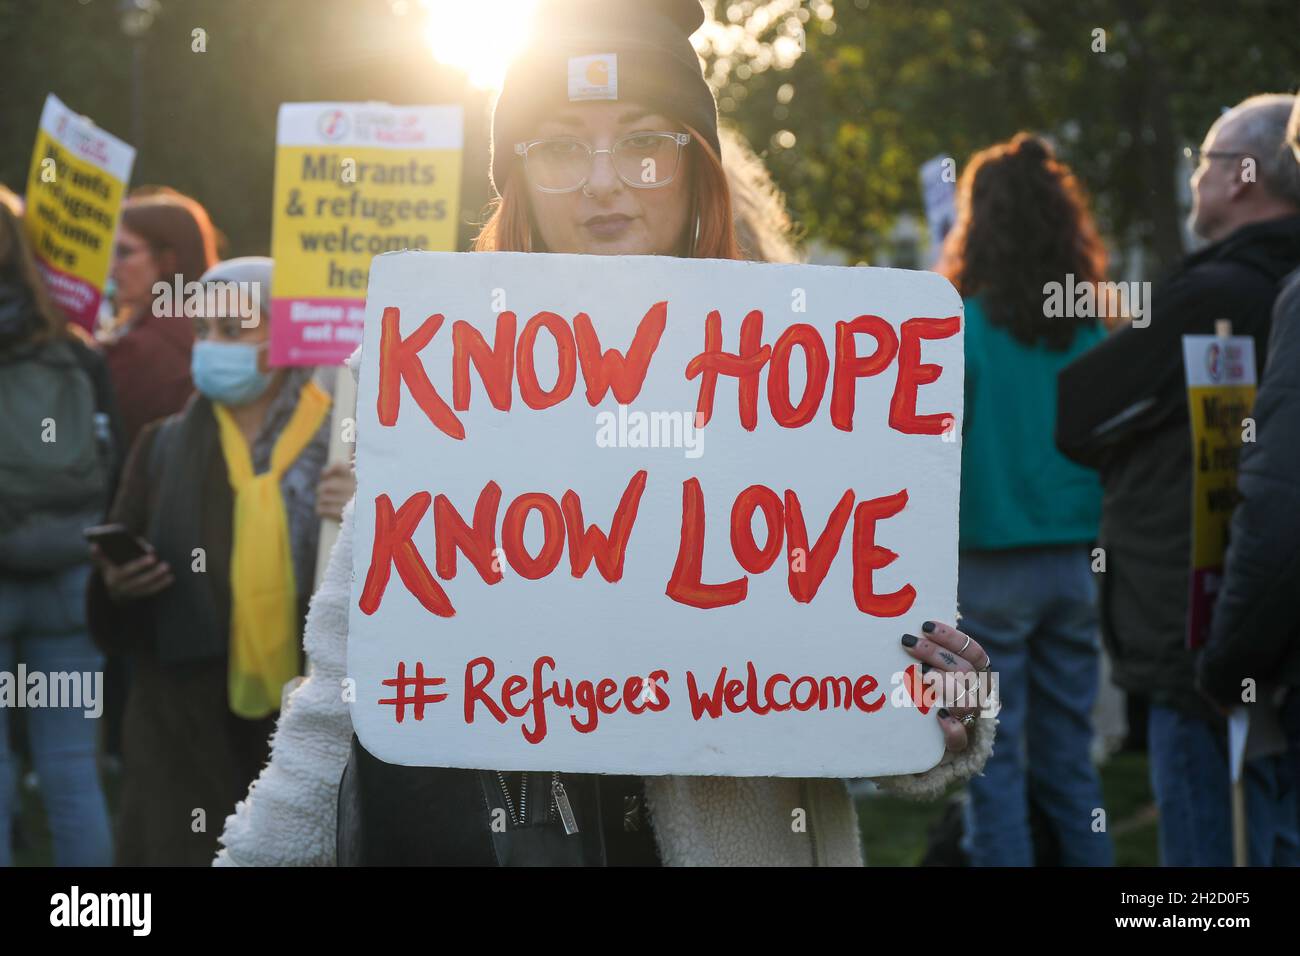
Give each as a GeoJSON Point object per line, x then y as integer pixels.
{"type": "Point", "coordinates": [1198, 156]}
{"type": "Point", "coordinates": [641, 160]}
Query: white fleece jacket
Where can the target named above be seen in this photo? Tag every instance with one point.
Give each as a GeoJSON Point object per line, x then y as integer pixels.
{"type": "Point", "coordinates": [288, 817]}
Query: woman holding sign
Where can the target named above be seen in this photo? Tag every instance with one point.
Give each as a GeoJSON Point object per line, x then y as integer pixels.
{"type": "Point", "coordinates": [605, 142]}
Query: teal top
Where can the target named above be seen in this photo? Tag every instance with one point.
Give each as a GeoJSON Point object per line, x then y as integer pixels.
{"type": "Point", "coordinates": [1017, 490]}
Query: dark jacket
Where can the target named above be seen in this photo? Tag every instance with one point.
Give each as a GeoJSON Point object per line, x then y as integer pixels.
{"type": "Point", "coordinates": [43, 534]}
{"type": "Point", "coordinates": [183, 748]}
{"type": "Point", "coordinates": [1122, 409]}
{"type": "Point", "coordinates": [173, 458]}
{"type": "Point", "coordinates": [1256, 632]}
{"type": "Point", "coordinates": [150, 368]}
{"type": "Point", "coordinates": [391, 815]}
{"type": "Point", "coordinates": [175, 494]}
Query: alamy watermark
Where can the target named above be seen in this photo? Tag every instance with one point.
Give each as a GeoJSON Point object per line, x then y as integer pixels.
{"type": "Point", "coordinates": [1098, 300]}
{"type": "Point", "coordinates": [79, 690]}
{"type": "Point", "coordinates": [637, 429]}
{"type": "Point", "coordinates": [75, 908]}
{"type": "Point", "coordinates": [216, 299]}
{"type": "Point", "coordinates": [940, 688]}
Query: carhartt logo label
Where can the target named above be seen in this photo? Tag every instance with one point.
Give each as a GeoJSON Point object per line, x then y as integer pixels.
{"type": "Point", "coordinates": [593, 77]}
{"type": "Point", "coordinates": [102, 909]}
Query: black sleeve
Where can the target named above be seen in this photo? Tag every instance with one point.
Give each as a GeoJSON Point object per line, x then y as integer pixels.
{"type": "Point", "coordinates": [1254, 614]}
{"type": "Point", "coordinates": [1134, 381]}
{"type": "Point", "coordinates": [115, 627]}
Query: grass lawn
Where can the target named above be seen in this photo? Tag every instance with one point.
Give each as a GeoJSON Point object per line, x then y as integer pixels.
{"type": "Point", "coordinates": [894, 831]}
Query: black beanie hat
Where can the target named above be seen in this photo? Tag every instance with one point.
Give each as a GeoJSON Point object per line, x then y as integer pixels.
{"type": "Point", "coordinates": [638, 50]}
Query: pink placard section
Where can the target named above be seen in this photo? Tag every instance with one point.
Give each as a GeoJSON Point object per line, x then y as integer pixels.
{"type": "Point", "coordinates": [1204, 587]}
{"type": "Point", "coordinates": [78, 298]}
{"type": "Point", "coordinates": [315, 331]}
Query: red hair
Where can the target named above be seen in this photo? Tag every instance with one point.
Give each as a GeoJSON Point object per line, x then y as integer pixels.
{"type": "Point", "coordinates": [509, 228]}
{"type": "Point", "coordinates": [1022, 221]}
{"type": "Point", "coordinates": [177, 230]}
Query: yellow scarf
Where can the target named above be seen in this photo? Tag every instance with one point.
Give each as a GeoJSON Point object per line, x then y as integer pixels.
{"type": "Point", "coordinates": [263, 592]}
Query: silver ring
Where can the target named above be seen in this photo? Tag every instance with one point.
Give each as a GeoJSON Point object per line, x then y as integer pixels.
{"type": "Point", "coordinates": [587, 194]}
{"type": "Point", "coordinates": [967, 720]}
{"type": "Point", "coordinates": [988, 662]}
{"type": "Point", "coordinates": [966, 645]}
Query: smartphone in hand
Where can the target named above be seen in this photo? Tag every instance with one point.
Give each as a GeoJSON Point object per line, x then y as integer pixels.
{"type": "Point", "coordinates": [116, 543]}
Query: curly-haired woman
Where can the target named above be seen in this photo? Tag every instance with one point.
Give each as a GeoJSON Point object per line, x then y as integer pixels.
{"type": "Point", "coordinates": [1028, 516]}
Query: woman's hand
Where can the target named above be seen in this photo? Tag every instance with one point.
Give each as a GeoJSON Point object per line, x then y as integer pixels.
{"type": "Point", "coordinates": [941, 647]}
{"type": "Point", "coordinates": [136, 579]}
{"type": "Point", "coordinates": [336, 488]}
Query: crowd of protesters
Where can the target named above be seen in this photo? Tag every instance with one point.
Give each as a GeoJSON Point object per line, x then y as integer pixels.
{"type": "Point", "coordinates": [204, 452]}
{"type": "Point", "coordinates": [1075, 529]}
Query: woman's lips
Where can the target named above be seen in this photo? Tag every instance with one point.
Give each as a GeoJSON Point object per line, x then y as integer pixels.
{"type": "Point", "coordinates": [608, 227]}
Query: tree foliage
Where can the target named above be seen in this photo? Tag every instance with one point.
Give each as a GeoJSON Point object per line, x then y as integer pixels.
{"type": "Point", "coordinates": [886, 84]}
{"type": "Point", "coordinates": [846, 98]}
{"type": "Point", "coordinates": [206, 121]}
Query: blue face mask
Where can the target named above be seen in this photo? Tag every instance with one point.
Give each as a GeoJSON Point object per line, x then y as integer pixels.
{"type": "Point", "coordinates": [227, 372]}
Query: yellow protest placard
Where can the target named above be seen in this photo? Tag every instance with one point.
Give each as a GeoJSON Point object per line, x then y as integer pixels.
{"type": "Point", "coordinates": [1220, 393]}
{"type": "Point", "coordinates": [353, 180]}
{"type": "Point", "coordinates": [74, 199]}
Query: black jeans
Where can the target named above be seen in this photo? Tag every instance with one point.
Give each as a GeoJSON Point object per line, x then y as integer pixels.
{"type": "Point", "coordinates": [1291, 725]}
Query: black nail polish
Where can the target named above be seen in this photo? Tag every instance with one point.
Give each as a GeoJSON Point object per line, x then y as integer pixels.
{"type": "Point", "coordinates": [943, 712]}
{"type": "Point", "coordinates": [926, 667]}
{"type": "Point", "coordinates": [909, 640]}
{"type": "Point", "coordinates": [928, 627]}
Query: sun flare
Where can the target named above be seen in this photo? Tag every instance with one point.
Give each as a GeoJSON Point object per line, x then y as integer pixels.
{"type": "Point", "coordinates": [479, 37]}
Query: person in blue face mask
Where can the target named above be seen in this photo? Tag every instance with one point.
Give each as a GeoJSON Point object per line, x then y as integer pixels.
{"type": "Point", "coordinates": [225, 498]}
{"type": "Point", "coordinates": [230, 372]}
{"type": "Point", "coordinates": [229, 362]}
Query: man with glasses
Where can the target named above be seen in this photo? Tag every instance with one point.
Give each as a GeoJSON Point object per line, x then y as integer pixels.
{"type": "Point", "coordinates": [1256, 633]}
{"type": "Point", "coordinates": [1244, 148]}
{"type": "Point", "coordinates": [1123, 410]}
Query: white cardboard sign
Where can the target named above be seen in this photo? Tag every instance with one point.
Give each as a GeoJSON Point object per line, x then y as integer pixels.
{"type": "Point", "coordinates": [770, 560]}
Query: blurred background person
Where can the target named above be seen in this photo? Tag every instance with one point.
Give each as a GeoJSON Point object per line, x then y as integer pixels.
{"type": "Point", "coordinates": [1028, 516]}
{"type": "Point", "coordinates": [1123, 411]}
{"type": "Point", "coordinates": [224, 493]}
{"type": "Point", "coordinates": [1255, 636]}
{"type": "Point", "coordinates": [162, 235]}
{"type": "Point", "coordinates": [57, 433]}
